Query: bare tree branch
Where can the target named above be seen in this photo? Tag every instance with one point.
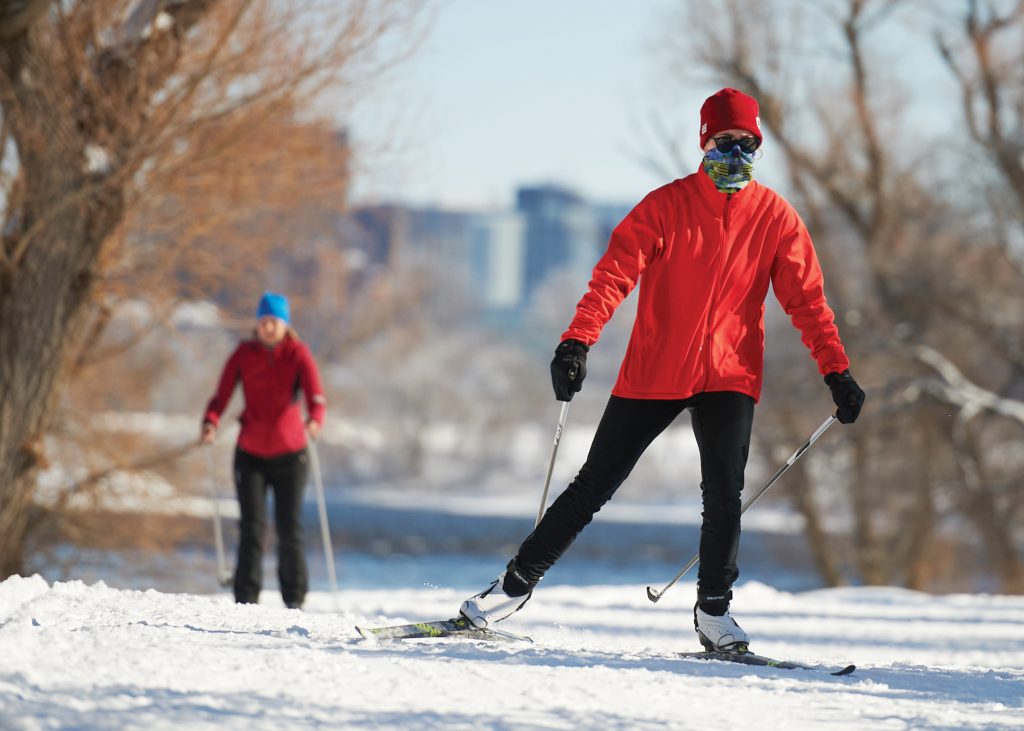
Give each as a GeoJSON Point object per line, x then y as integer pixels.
{"type": "Point", "coordinates": [956, 389]}
{"type": "Point", "coordinates": [16, 16]}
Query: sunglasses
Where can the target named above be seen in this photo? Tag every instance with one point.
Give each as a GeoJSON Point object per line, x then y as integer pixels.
{"type": "Point", "coordinates": [725, 143]}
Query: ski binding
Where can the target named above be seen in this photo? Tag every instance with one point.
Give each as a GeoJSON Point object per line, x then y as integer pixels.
{"type": "Point", "coordinates": [455, 627]}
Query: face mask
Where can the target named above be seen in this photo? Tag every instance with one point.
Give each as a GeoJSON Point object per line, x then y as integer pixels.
{"type": "Point", "coordinates": [730, 171]}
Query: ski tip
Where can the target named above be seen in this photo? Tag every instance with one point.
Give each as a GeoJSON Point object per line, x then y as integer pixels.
{"type": "Point", "coordinates": [845, 671]}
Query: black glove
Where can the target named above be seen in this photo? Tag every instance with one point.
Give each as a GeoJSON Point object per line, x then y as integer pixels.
{"type": "Point", "coordinates": [849, 397]}
{"type": "Point", "coordinates": [569, 368]}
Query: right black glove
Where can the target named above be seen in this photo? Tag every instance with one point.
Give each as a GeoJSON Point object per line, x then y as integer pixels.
{"type": "Point", "coordinates": [569, 368]}
{"type": "Point", "coordinates": [848, 396]}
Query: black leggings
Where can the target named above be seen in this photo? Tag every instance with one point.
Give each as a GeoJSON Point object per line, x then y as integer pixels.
{"type": "Point", "coordinates": [286, 474]}
{"type": "Point", "coordinates": [721, 423]}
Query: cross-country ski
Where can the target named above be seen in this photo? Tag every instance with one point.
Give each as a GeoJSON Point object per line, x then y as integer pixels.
{"type": "Point", "coordinates": [457, 627]}
{"type": "Point", "coordinates": [750, 658]}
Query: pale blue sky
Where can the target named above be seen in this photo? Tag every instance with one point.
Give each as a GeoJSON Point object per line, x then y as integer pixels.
{"type": "Point", "coordinates": [506, 93]}
{"type": "Point", "coordinates": [502, 94]}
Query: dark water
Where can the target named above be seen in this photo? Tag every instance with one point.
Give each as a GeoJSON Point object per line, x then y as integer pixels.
{"type": "Point", "coordinates": [420, 545]}
{"type": "Point", "coordinates": [415, 547]}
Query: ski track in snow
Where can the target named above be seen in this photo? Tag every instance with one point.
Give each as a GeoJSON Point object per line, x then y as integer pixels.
{"type": "Point", "coordinates": [74, 656]}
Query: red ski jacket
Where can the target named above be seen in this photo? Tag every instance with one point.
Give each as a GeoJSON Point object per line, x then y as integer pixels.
{"type": "Point", "coordinates": [706, 260]}
{"type": "Point", "coordinates": [271, 379]}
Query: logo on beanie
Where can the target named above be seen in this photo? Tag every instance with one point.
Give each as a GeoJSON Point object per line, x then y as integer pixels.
{"type": "Point", "coordinates": [704, 128]}
{"type": "Point", "coordinates": [757, 121]}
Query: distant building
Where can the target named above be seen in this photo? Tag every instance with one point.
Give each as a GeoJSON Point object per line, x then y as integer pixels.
{"type": "Point", "coordinates": [497, 257]}
{"type": "Point", "coordinates": [608, 216]}
{"type": "Point", "coordinates": [372, 230]}
{"type": "Point", "coordinates": [498, 253]}
{"type": "Point", "coordinates": [562, 232]}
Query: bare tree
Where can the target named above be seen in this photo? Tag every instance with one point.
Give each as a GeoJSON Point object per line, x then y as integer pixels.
{"type": "Point", "coordinates": [913, 272]}
{"type": "Point", "coordinates": [126, 149]}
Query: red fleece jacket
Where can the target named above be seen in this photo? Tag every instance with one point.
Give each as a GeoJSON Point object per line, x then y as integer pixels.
{"type": "Point", "coordinates": [271, 379]}
{"type": "Point", "coordinates": [704, 261]}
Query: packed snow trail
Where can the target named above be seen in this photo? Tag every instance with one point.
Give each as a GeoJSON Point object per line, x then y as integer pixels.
{"type": "Point", "coordinates": [91, 657]}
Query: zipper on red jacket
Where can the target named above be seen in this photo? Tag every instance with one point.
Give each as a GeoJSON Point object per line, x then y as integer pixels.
{"type": "Point", "coordinates": [715, 288]}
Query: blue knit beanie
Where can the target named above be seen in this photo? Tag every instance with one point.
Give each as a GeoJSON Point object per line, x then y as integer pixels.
{"type": "Point", "coordinates": [276, 305]}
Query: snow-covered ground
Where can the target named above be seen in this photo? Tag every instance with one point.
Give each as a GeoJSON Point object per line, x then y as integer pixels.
{"type": "Point", "coordinates": [92, 657]}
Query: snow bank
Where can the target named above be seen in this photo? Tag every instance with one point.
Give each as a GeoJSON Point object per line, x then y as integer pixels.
{"type": "Point", "coordinates": [92, 657]}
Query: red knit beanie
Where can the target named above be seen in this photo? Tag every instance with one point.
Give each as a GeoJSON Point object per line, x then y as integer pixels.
{"type": "Point", "coordinates": [728, 109]}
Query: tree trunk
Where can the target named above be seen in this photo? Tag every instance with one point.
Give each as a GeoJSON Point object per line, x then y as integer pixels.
{"type": "Point", "coordinates": [992, 523]}
{"type": "Point", "coordinates": [867, 556]}
{"type": "Point", "coordinates": [15, 506]}
{"type": "Point", "coordinates": [40, 308]}
{"type": "Point", "coordinates": [50, 247]}
{"type": "Point", "coordinates": [798, 488]}
{"type": "Point", "coordinates": [921, 530]}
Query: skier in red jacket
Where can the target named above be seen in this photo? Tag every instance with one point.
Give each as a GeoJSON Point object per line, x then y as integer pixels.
{"type": "Point", "coordinates": [704, 249]}
{"type": "Point", "coordinates": [273, 368]}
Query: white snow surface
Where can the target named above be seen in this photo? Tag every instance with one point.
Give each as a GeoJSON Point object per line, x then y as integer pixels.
{"type": "Point", "coordinates": [93, 657]}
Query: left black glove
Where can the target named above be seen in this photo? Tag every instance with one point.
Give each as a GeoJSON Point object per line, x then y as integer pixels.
{"type": "Point", "coordinates": [569, 368]}
{"type": "Point", "coordinates": [849, 397]}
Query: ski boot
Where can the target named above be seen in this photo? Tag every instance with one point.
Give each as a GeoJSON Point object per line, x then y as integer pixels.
{"type": "Point", "coordinates": [495, 603]}
{"type": "Point", "coordinates": [716, 629]}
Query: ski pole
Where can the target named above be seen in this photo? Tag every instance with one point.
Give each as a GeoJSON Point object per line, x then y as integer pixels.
{"type": "Point", "coordinates": [551, 462]}
{"type": "Point", "coordinates": [223, 575]}
{"type": "Point", "coordinates": [654, 596]}
{"type": "Point", "coordinates": [325, 530]}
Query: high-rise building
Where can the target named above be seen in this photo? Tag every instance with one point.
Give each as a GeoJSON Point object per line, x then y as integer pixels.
{"type": "Point", "coordinates": [562, 232]}
{"type": "Point", "coordinates": [498, 248]}
{"type": "Point", "coordinates": [498, 258]}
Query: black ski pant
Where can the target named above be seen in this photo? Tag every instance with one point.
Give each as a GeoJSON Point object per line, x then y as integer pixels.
{"type": "Point", "coordinates": [286, 474]}
{"type": "Point", "coordinates": [721, 423]}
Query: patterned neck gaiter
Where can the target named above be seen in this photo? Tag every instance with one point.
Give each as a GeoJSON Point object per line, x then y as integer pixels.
{"type": "Point", "coordinates": [729, 171]}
